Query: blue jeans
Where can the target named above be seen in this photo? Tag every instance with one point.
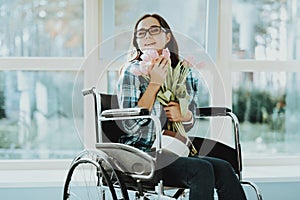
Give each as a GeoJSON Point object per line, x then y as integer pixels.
{"type": "Point", "coordinates": [201, 175]}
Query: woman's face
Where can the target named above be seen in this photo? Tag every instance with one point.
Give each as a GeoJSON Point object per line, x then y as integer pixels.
{"type": "Point", "coordinates": [157, 40]}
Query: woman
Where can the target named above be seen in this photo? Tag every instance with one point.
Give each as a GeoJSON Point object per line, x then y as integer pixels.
{"type": "Point", "coordinates": [200, 175]}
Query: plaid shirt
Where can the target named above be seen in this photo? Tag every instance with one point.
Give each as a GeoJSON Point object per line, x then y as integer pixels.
{"type": "Point", "coordinates": [130, 88]}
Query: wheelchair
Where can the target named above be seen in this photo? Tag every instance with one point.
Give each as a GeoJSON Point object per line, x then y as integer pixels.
{"type": "Point", "coordinates": [115, 171]}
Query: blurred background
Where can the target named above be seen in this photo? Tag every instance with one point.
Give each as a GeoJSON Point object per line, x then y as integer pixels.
{"type": "Point", "coordinates": [38, 119]}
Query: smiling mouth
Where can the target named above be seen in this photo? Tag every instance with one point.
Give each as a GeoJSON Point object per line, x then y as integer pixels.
{"type": "Point", "coordinates": [149, 44]}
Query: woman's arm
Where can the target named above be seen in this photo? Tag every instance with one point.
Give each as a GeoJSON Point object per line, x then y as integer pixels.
{"type": "Point", "coordinates": [148, 98]}
{"type": "Point", "coordinates": [157, 77]}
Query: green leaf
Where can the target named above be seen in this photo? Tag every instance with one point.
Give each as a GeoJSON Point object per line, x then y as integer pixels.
{"type": "Point", "coordinates": [165, 97]}
{"type": "Point", "coordinates": [184, 106]}
{"type": "Point", "coordinates": [162, 98]}
{"type": "Point", "coordinates": [168, 94]}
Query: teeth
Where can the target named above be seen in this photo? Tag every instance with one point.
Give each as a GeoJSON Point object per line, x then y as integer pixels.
{"type": "Point", "coordinates": [150, 44]}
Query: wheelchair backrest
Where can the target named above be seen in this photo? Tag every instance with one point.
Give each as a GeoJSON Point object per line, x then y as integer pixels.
{"type": "Point", "coordinates": [124, 158]}
{"type": "Point", "coordinates": [111, 130]}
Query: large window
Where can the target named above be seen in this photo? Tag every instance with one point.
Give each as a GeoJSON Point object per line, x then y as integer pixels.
{"type": "Point", "coordinates": [265, 78]}
{"type": "Point", "coordinates": [43, 45]}
{"type": "Point", "coordinates": [41, 108]}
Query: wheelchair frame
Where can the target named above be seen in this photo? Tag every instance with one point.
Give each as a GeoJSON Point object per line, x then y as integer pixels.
{"type": "Point", "coordinates": [107, 170]}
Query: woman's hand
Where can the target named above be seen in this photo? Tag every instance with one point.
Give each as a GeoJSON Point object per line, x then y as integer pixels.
{"type": "Point", "coordinates": [159, 71]}
{"type": "Point", "coordinates": [173, 113]}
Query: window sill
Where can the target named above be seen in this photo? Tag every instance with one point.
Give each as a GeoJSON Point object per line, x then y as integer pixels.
{"type": "Point", "coordinates": [272, 173]}
{"type": "Point", "coordinates": [33, 173]}
{"type": "Point", "coordinates": [272, 169]}
{"type": "Point", "coordinates": [32, 178]}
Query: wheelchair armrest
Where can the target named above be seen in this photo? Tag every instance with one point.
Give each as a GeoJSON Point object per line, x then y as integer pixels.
{"type": "Point", "coordinates": [212, 111]}
{"type": "Point", "coordinates": [126, 112]}
{"type": "Point", "coordinates": [135, 114]}
{"type": "Point", "coordinates": [129, 159]}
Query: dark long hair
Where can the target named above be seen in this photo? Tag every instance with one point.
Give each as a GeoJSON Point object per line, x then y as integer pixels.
{"type": "Point", "coordinates": [171, 45]}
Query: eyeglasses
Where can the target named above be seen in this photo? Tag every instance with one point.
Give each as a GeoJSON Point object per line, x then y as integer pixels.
{"type": "Point", "coordinates": [153, 30]}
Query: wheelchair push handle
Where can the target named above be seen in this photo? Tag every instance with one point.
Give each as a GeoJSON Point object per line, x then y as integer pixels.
{"type": "Point", "coordinates": [89, 91]}
{"type": "Point", "coordinates": [97, 108]}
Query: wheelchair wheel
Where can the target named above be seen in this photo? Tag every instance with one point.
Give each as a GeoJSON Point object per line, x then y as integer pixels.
{"type": "Point", "coordinates": [91, 176]}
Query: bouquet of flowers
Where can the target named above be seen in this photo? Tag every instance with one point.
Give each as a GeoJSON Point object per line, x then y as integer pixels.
{"type": "Point", "coordinates": [173, 89]}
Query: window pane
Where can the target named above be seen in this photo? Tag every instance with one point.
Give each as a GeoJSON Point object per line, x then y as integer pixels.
{"type": "Point", "coordinates": [38, 119]}
{"type": "Point", "coordinates": [187, 20]}
{"type": "Point", "coordinates": [41, 28]}
{"type": "Point", "coordinates": [268, 107]}
{"type": "Point", "coordinates": [266, 30]}
{"type": "Point", "coordinates": [187, 17]}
